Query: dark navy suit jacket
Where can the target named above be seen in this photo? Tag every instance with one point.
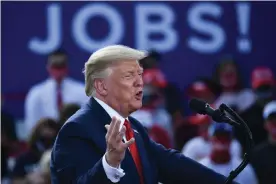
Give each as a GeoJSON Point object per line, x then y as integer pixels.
{"type": "Point", "coordinates": [80, 145]}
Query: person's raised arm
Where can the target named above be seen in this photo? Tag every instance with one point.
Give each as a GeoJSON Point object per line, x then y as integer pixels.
{"type": "Point", "coordinates": [74, 163]}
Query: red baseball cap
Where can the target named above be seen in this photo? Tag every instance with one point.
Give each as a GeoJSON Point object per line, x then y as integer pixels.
{"type": "Point", "coordinates": [154, 77]}
{"type": "Point", "coordinates": [262, 76]}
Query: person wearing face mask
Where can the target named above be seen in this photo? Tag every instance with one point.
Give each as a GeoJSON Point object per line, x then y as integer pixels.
{"type": "Point", "coordinates": [153, 115]}
{"type": "Point", "coordinates": [263, 85]}
{"type": "Point", "coordinates": [190, 127]}
{"type": "Point", "coordinates": [47, 98]}
{"type": "Point", "coordinates": [233, 93]}
{"type": "Point", "coordinates": [171, 92]}
{"type": "Point", "coordinates": [200, 146]}
{"type": "Point", "coordinates": [263, 157]}
{"type": "Point", "coordinates": [41, 139]}
{"type": "Point", "coordinates": [220, 158]}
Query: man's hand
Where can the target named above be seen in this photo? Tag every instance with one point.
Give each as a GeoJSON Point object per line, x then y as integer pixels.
{"type": "Point", "coordinates": [35, 178]}
{"type": "Point", "coordinates": [115, 147]}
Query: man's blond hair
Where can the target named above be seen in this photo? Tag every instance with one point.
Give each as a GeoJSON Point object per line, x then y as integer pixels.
{"type": "Point", "coordinates": [98, 64]}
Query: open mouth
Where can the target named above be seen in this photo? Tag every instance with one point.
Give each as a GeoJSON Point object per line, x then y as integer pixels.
{"type": "Point", "coordinates": [139, 95]}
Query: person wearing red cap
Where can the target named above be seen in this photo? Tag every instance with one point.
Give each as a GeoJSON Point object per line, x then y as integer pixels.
{"type": "Point", "coordinates": [204, 89]}
{"type": "Point", "coordinates": [200, 147]}
{"type": "Point", "coordinates": [220, 158]}
{"type": "Point", "coordinates": [263, 84]}
{"type": "Point", "coordinates": [263, 157]}
{"type": "Point", "coordinates": [153, 115]}
{"type": "Point", "coordinates": [233, 92]}
{"type": "Point", "coordinates": [171, 92]}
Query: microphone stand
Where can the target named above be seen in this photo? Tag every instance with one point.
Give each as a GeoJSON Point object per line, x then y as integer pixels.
{"type": "Point", "coordinates": [249, 140]}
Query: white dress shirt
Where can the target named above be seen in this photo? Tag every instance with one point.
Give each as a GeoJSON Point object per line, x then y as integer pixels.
{"type": "Point", "coordinates": [158, 116]}
{"type": "Point", "coordinates": [247, 176]}
{"type": "Point", "coordinates": [242, 100]}
{"type": "Point", "coordinates": [198, 148]}
{"type": "Point", "coordinates": [113, 174]}
{"type": "Point", "coordinates": [41, 100]}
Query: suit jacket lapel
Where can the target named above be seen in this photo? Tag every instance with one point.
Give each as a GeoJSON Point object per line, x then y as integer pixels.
{"type": "Point", "coordinates": [102, 118]}
{"type": "Point", "coordinates": [97, 129]}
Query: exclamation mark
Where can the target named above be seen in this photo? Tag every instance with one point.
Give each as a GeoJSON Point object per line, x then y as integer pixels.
{"type": "Point", "coordinates": [243, 19]}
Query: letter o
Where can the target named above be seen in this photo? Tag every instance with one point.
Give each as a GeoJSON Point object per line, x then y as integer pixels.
{"type": "Point", "coordinates": [80, 21]}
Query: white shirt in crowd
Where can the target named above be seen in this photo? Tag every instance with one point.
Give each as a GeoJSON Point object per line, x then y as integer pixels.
{"type": "Point", "coordinates": [242, 100]}
{"type": "Point", "coordinates": [41, 100]}
{"type": "Point", "coordinates": [159, 116]}
{"type": "Point", "coordinates": [247, 176]}
{"type": "Point", "coordinates": [198, 148]}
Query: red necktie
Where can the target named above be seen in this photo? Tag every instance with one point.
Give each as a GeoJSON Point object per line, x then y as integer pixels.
{"type": "Point", "coordinates": [59, 97]}
{"type": "Point", "coordinates": [134, 150]}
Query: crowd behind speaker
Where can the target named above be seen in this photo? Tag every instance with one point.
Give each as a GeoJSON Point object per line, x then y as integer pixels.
{"type": "Point", "coordinates": [50, 103]}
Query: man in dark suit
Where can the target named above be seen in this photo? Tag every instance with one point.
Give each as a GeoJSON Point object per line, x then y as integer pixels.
{"type": "Point", "coordinates": [101, 144]}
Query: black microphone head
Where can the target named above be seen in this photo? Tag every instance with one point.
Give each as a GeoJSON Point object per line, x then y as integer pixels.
{"type": "Point", "coordinates": [198, 106]}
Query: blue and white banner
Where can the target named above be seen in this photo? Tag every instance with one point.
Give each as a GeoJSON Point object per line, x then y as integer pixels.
{"type": "Point", "coordinates": [191, 35]}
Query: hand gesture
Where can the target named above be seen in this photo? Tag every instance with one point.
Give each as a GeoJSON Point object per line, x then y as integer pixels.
{"type": "Point", "coordinates": [115, 147]}
{"type": "Point", "coordinates": [35, 178]}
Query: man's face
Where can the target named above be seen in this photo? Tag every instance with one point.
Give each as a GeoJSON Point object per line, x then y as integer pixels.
{"type": "Point", "coordinates": [228, 76]}
{"type": "Point", "coordinates": [124, 87]}
{"type": "Point", "coordinates": [57, 67]}
{"type": "Point", "coordinates": [47, 136]}
{"type": "Point", "coordinates": [203, 129]}
{"type": "Point", "coordinates": [270, 126]}
{"type": "Point", "coordinates": [221, 141]}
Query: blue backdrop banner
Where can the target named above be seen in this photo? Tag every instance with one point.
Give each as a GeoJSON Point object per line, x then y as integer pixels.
{"type": "Point", "coordinates": [191, 35]}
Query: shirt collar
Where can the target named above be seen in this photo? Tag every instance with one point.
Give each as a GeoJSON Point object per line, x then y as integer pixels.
{"type": "Point", "coordinates": [110, 111]}
{"type": "Point", "coordinates": [53, 82]}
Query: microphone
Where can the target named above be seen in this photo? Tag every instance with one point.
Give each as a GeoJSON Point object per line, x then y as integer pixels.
{"type": "Point", "coordinates": [204, 108]}
{"type": "Point", "coordinates": [219, 115]}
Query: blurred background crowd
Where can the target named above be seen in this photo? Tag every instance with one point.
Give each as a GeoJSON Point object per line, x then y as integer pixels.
{"type": "Point", "coordinates": [54, 93]}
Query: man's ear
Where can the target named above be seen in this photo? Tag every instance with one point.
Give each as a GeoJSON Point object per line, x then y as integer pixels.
{"type": "Point", "coordinates": [100, 86]}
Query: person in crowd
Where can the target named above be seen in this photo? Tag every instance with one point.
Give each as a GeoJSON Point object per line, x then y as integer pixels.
{"type": "Point", "coordinates": [45, 166]}
{"type": "Point", "coordinates": [8, 142]}
{"type": "Point", "coordinates": [42, 138]}
{"type": "Point", "coordinates": [67, 111]}
{"type": "Point", "coordinates": [11, 146]}
{"type": "Point", "coordinates": [233, 92]}
{"type": "Point", "coordinates": [205, 89]}
{"type": "Point", "coordinates": [153, 115]}
{"type": "Point", "coordinates": [263, 157]}
{"type": "Point", "coordinates": [172, 94]}
{"type": "Point", "coordinates": [151, 61]}
{"type": "Point", "coordinates": [42, 174]}
{"type": "Point", "coordinates": [220, 158]}
{"type": "Point", "coordinates": [46, 98]}
{"type": "Point", "coordinates": [263, 84]}
{"type": "Point", "coordinates": [102, 143]}
{"type": "Point", "coordinates": [8, 122]}
{"type": "Point", "coordinates": [153, 102]}
{"type": "Point", "coordinates": [200, 147]}
{"type": "Point", "coordinates": [202, 88]}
